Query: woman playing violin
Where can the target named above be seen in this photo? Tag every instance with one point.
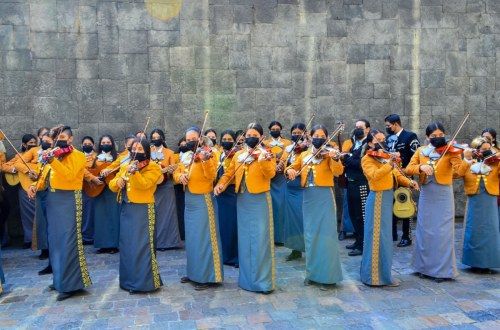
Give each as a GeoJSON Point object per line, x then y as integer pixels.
{"type": "Point", "coordinates": [278, 183]}
{"type": "Point", "coordinates": [253, 173]}
{"type": "Point", "coordinates": [320, 224]}
{"type": "Point", "coordinates": [481, 239]}
{"type": "Point", "coordinates": [212, 135]}
{"type": "Point", "coordinates": [196, 172]}
{"type": "Point", "coordinates": [491, 135]}
{"type": "Point", "coordinates": [294, 223]}
{"type": "Point", "coordinates": [135, 184]}
{"type": "Point", "coordinates": [166, 215]}
{"type": "Point", "coordinates": [434, 253]}
{"type": "Point", "coordinates": [240, 138]}
{"type": "Point", "coordinates": [377, 249]}
{"type": "Point", "coordinates": [227, 200]}
{"type": "Point", "coordinates": [88, 212]}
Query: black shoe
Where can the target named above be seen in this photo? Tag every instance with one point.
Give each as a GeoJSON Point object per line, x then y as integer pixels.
{"type": "Point", "coordinates": [294, 255]}
{"type": "Point", "coordinates": [113, 250]}
{"type": "Point", "coordinates": [162, 249]}
{"type": "Point", "coordinates": [44, 255]}
{"type": "Point", "coordinates": [51, 287]}
{"type": "Point", "coordinates": [355, 252]}
{"type": "Point", "coordinates": [88, 243]}
{"type": "Point", "coordinates": [351, 247]}
{"type": "Point", "coordinates": [342, 236]}
{"type": "Point", "coordinates": [267, 292]}
{"type": "Point", "coordinates": [404, 242]}
{"type": "Point", "coordinates": [26, 245]}
{"type": "Point", "coordinates": [236, 265]}
{"type": "Point", "coordinates": [202, 286]}
{"type": "Point", "coordinates": [308, 282]}
{"type": "Point", "coordinates": [64, 295]}
{"type": "Point", "coordinates": [101, 251]}
{"type": "Point", "coordinates": [326, 287]}
{"type": "Point", "coordinates": [279, 244]}
{"type": "Point", "coordinates": [132, 291]}
{"type": "Point", "coordinates": [438, 280]}
{"type": "Point", "coordinates": [353, 235]}
{"type": "Point", "coordinates": [47, 270]}
{"type": "Point", "coordinates": [185, 279]}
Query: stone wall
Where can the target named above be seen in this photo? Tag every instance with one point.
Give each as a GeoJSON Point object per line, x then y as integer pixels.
{"type": "Point", "coordinates": [103, 66]}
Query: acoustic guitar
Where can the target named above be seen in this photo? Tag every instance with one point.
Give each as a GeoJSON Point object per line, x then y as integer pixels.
{"type": "Point", "coordinates": [91, 189]}
{"type": "Point", "coordinates": [12, 178]}
{"type": "Point", "coordinates": [164, 173]}
{"type": "Point", "coordinates": [404, 206]}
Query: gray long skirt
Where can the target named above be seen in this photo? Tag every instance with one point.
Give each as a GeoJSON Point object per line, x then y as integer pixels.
{"type": "Point", "coordinates": [434, 252]}
{"type": "Point", "coordinates": [64, 215]}
{"type": "Point", "coordinates": [481, 240]}
{"type": "Point", "coordinates": [203, 246]}
{"type": "Point", "coordinates": [256, 241]}
{"type": "Point", "coordinates": [88, 218]}
{"type": "Point", "coordinates": [27, 208]}
{"type": "Point", "coordinates": [376, 264]}
{"type": "Point", "coordinates": [294, 222]}
{"type": "Point", "coordinates": [138, 267]}
{"type": "Point", "coordinates": [40, 235]}
{"type": "Point", "coordinates": [107, 220]}
{"type": "Point", "coordinates": [278, 192]}
{"type": "Point", "coordinates": [320, 234]}
{"type": "Point", "coordinates": [168, 235]}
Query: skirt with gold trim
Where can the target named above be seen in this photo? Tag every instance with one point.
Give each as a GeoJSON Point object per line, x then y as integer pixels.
{"type": "Point", "coordinates": [40, 236]}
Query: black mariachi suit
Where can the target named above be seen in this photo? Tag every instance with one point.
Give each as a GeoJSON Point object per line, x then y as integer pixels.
{"type": "Point", "coordinates": [407, 144]}
{"type": "Point", "coordinates": [357, 192]}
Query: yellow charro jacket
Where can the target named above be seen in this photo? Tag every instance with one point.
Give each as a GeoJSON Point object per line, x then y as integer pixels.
{"type": "Point", "coordinates": [30, 157]}
{"type": "Point", "coordinates": [141, 186]}
{"type": "Point", "coordinates": [473, 180]}
{"type": "Point", "coordinates": [201, 178]}
{"type": "Point", "coordinates": [68, 173]}
{"type": "Point", "coordinates": [8, 167]}
{"type": "Point", "coordinates": [258, 174]}
{"type": "Point", "coordinates": [323, 172]}
{"type": "Point", "coordinates": [347, 145]}
{"type": "Point", "coordinates": [225, 166]}
{"type": "Point", "coordinates": [380, 176]}
{"type": "Point", "coordinates": [445, 171]}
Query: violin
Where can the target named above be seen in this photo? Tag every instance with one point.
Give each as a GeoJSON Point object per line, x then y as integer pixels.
{"type": "Point", "coordinates": [57, 152]}
{"type": "Point", "coordinates": [268, 155]}
{"type": "Point", "coordinates": [206, 150]}
{"type": "Point", "coordinates": [137, 166]}
{"type": "Point", "coordinates": [302, 146]}
{"type": "Point", "coordinates": [229, 153]}
{"type": "Point", "coordinates": [325, 153]}
{"type": "Point", "coordinates": [455, 148]}
{"type": "Point", "coordinates": [383, 155]}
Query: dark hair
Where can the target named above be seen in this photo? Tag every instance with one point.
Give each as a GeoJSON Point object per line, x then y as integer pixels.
{"type": "Point", "coordinates": [275, 123]}
{"type": "Point", "coordinates": [162, 136]}
{"type": "Point", "coordinates": [210, 130]}
{"type": "Point", "coordinates": [46, 134]}
{"type": "Point", "coordinates": [41, 129]}
{"type": "Point", "coordinates": [370, 138]}
{"type": "Point", "coordinates": [180, 141]}
{"type": "Point", "coordinates": [145, 145]}
{"type": "Point", "coordinates": [432, 127]}
{"type": "Point", "coordinates": [300, 126]}
{"type": "Point", "coordinates": [230, 132]}
{"type": "Point", "coordinates": [239, 132]}
{"type": "Point", "coordinates": [54, 132]}
{"type": "Point", "coordinates": [317, 127]}
{"type": "Point", "coordinates": [393, 119]}
{"type": "Point", "coordinates": [88, 138]}
{"type": "Point", "coordinates": [367, 123]}
{"type": "Point", "coordinates": [256, 127]}
{"type": "Point", "coordinates": [493, 134]}
{"type": "Point", "coordinates": [27, 138]}
{"type": "Point", "coordinates": [128, 138]}
{"type": "Point", "coordinates": [113, 150]}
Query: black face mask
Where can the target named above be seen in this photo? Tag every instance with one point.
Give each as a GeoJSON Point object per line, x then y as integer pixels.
{"type": "Point", "coordinates": [157, 143]}
{"type": "Point", "coordinates": [183, 149]}
{"type": "Point", "coordinates": [359, 132]}
{"type": "Point", "coordinates": [252, 141]}
{"type": "Point", "coordinates": [275, 134]}
{"type": "Point", "coordinates": [62, 144]}
{"type": "Point", "coordinates": [317, 142]}
{"type": "Point", "coordinates": [46, 145]}
{"type": "Point", "coordinates": [381, 145]}
{"type": "Point", "coordinates": [30, 146]}
{"type": "Point", "coordinates": [214, 141]}
{"type": "Point", "coordinates": [86, 149]}
{"type": "Point", "coordinates": [389, 130]}
{"type": "Point", "coordinates": [140, 156]}
{"type": "Point", "coordinates": [487, 153]}
{"type": "Point", "coordinates": [106, 147]}
{"type": "Point", "coordinates": [191, 145]}
{"type": "Point", "coordinates": [295, 138]}
{"type": "Point", "coordinates": [438, 141]}
{"type": "Point", "coordinates": [129, 149]}
{"type": "Point", "coordinates": [227, 145]}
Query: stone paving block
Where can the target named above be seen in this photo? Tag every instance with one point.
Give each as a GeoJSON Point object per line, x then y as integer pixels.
{"type": "Point", "coordinates": [194, 33]}
{"type": "Point", "coordinates": [43, 17]}
{"type": "Point", "coordinates": [108, 39]}
{"type": "Point", "coordinates": [259, 318]}
{"type": "Point", "coordinates": [159, 59]}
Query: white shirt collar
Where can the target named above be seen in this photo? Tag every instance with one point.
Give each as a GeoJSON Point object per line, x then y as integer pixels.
{"type": "Point", "coordinates": [159, 150]}
{"type": "Point", "coordinates": [399, 133]}
{"type": "Point", "coordinates": [86, 154]}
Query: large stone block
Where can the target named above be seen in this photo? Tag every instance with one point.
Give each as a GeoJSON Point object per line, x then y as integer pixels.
{"type": "Point", "coordinates": [454, 6]}
{"type": "Point", "coordinates": [133, 16]}
{"type": "Point", "coordinates": [159, 83]}
{"type": "Point", "coordinates": [12, 13]}
{"type": "Point", "coordinates": [138, 96]}
{"type": "Point", "coordinates": [195, 33]}
{"type": "Point", "coordinates": [21, 37]}
{"type": "Point", "coordinates": [90, 112]}
{"type": "Point", "coordinates": [312, 25]}
{"type": "Point", "coordinates": [356, 54]}
{"type": "Point", "coordinates": [87, 69]}
{"type": "Point", "coordinates": [362, 31]}
{"type": "Point", "coordinates": [92, 90]}
{"type": "Point", "coordinates": [431, 16]}
{"type": "Point", "coordinates": [336, 28]}
{"type": "Point", "coordinates": [246, 99]}
{"type": "Point", "coordinates": [432, 60]}
{"type": "Point", "coordinates": [159, 59]}
{"type": "Point", "coordinates": [457, 86]}
{"type": "Point", "coordinates": [182, 56]}
{"type": "Point", "coordinates": [476, 104]}
{"type": "Point", "coordinates": [137, 68]}
{"type": "Point", "coordinates": [77, 45]}
{"type": "Point", "coordinates": [44, 45]}
{"type": "Point", "coordinates": [133, 42]}
{"type": "Point", "coordinates": [333, 49]}
{"type": "Point", "coordinates": [183, 80]}
{"type": "Point", "coordinates": [211, 58]}
{"type": "Point", "coordinates": [164, 38]}
{"type": "Point", "coordinates": [248, 78]}
{"type": "Point", "coordinates": [107, 13]}
{"type": "Point", "coordinates": [45, 110]}
{"type": "Point", "coordinates": [43, 17]}
{"type": "Point", "coordinates": [221, 20]}
{"type": "Point", "coordinates": [432, 79]}
{"type": "Point", "coordinates": [447, 39]}
{"type": "Point", "coordinates": [73, 18]}
{"type": "Point", "coordinates": [17, 60]}
{"type": "Point", "coordinates": [362, 91]}
{"type": "Point", "coordinates": [64, 89]}
{"type": "Point", "coordinates": [432, 96]}
{"type": "Point", "coordinates": [456, 64]}
{"type": "Point", "coordinates": [401, 57]}
{"type": "Point", "coordinates": [372, 9]}
{"type": "Point", "coordinates": [108, 38]}
{"type": "Point", "coordinates": [239, 53]}
{"type": "Point", "coordinates": [377, 52]}
{"type": "Point", "coordinates": [41, 84]}
{"type": "Point", "coordinates": [243, 14]}
{"type": "Point", "coordinates": [224, 82]}
{"type": "Point", "coordinates": [113, 66]}
{"type": "Point", "coordinates": [308, 48]}
{"type": "Point", "coordinates": [45, 65]}
{"type": "Point", "coordinates": [66, 68]}
{"type": "Point", "coordinates": [480, 66]}
{"type": "Point", "coordinates": [115, 92]}
{"type": "Point", "coordinates": [16, 106]}
{"type": "Point", "coordinates": [352, 12]}
{"type": "Point", "coordinates": [284, 59]}
{"type": "Point", "coordinates": [400, 82]}
{"type": "Point", "coordinates": [469, 25]}
{"type": "Point", "coordinates": [194, 9]}
{"type": "Point", "coordinates": [265, 11]}
{"type": "Point", "coordinates": [6, 37]}
{"type": "Point", "coordinates": [377, 71]}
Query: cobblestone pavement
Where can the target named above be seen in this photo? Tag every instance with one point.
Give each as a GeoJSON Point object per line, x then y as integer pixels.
{"type": "Point", "coordinates": [469, 302]}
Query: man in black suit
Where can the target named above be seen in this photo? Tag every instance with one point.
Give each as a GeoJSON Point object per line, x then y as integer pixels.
{"type": "Point", "coordinates": [406, 144]}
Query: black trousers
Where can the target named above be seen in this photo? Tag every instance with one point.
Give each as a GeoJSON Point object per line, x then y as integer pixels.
{"type": "Point", "coordinates": [357, 192]}
{"type": "Point", "coordinates": [407, 223]}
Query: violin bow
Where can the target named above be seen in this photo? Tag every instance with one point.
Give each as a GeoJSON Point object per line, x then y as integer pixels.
{"type": "Point", "coordinates": [197, 143]}
{"type": "Point", "coordinates": [134, 152]}
{"type": "Point", "coordinates": [301, 137]}
{"type": "Point", "coordinates": [453, 137]}
{"type": "Point", "coordinates": [337, 131]}
{"type": "Point", "coordinates": [227, 154]}
{"type": "Point", "coordinates": [43, 164]}
{"type": "Point", "coordinates": [3, 136]}
{"type": "Point", "coordinates": [243, 162]}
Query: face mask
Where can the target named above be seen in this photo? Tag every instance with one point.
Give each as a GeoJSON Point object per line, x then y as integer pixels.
{"type": "Point", "coordinates": [106, 147]}
{"type": "Point", "coordinates": [183, 149]}
{"type": "Point", "coordinates": [359, 132]}
{"type": "Point", "coordinates": [389, 130]}
{"type": "Point", "coordinates": [86, 149]}
{"type": "Point", "coordinates": [191, 145]}
{"type": "Point", "coordinates": [227, 145]}
{"type": "Point", "coordinates": [317, 143]}
{"type": "Point", "coordinates": [377, 145]}
{"type": "Point", "coordinates": [295, 138]}
{"type": "Point", "coordinates": [275, 134]}
{"type": "Point", "coordinates": [486, 153]}
{"type": "Point", "coordinates": [129, 149]}
{"type": "Point", "coordinates": [438, 141]}
{"type": "Point", "coordinates": [140, 156]}
{"type": "Point", "coordinates": [62, 144]}
{"type": "Point", "coordinates": [46, 145]}
{"type": "Point", "coordinates": [157, 143]}
{"type": "Point", "coordinates": [30, 146]}
{"type": "Point", "coordinates": [214, 141]}
{"type": "Point", "coordinates": [252, 141]}
{"type": "Point", "coordinates": [240, 142]}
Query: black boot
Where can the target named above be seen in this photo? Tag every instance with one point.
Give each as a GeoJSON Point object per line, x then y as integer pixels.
{"type": "Point", "coordinates": [44, 255]}
{"type": "Point", "coordinates": [294, 255]}
{"type": "Point", "coordinates": [342, 236]}
{"type": "Point", "coordinates": [351, 246]}
{"type": "Point", "coordinates": [47, 270]}
{"type": "Point", "coordinates": [355, 252]}
{"type": "Point", "coordinates": [404, 242]}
